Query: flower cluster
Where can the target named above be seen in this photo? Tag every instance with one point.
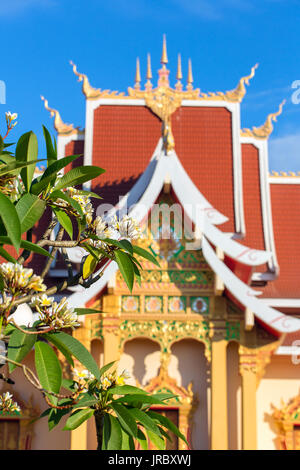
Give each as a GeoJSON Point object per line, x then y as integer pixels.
{"type": "Point", "coordinates": [9, 118]}
{"type": "Point", "coordinates": [82, 379]}
{"type": "Point", "coordinates": [127, 228]}
{"type": "Point", "coordinates": [55, 315]}
{"type": "Point", "coordinates": [7, 405]}
{"type": "Point", "coordinates": [82, 199]}
{"type": "Point", "coordinates": [19, 280]}
{"type": "Point", "coordinates": [9, 186]}
{"type": "Point", "coordinates": [109, 380]}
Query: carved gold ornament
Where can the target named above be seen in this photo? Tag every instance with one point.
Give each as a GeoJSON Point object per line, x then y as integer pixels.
{"type": "Point", "coordinates": [264, 131]}
{"type": "Point", "coordinates": [61, 127]}
{"type": "Point", "coordinates": [287, 421]}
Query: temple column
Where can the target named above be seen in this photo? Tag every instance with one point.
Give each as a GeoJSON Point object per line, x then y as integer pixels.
{"type": "Point", "coordinates": [111, 327]}
{"type": "Point", "coordinates": [219, 414]}
{"type": "Point", "coordinates": [79, 435]}
{"type": "Point", "coordinates": [252, 364]}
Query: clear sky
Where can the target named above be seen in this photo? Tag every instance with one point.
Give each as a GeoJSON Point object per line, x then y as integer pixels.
{"type": "Point", "coordinates": [224, 39]}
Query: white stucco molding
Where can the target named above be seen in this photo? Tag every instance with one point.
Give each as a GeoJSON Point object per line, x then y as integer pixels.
{"type": "Point", "coordinates": [63, 140]}
{"type": "Point", "coordinates": [262, 146]}
{"type": "Point", "coordinates": [278, 321]}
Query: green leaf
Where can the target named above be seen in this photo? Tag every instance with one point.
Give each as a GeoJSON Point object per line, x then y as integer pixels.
{"type": "Point", "coordinates": [55, 415]}
{"type": "Point", "coordinates": [112, 433]}
{"type": "Point", "coordinates": [30, 209]}
{"type": "Point", "coordinates": [164, 421]}
{"type": "Point", "coordinates": [52, 338]}
{"type": "Point", "coordinates": [75, 348]}
{"type": "Point", "coordinates": [159, 442]}
{"type": "Point", "coordinates": [20, 344]}
{"type": "Point", "coordinates": [126, 268]}
{"type": "Point", "coordinates": [1, 144]}
{"type": "Point", "coordinates": [48, 369]}
{"type": "Point", "coordinates": [89, 266]}
{"type": "Point", "coordinates": [139, 398]}
{"type": "Point", "coordinates": [27, 150]}
{"type": "Point", "coordinates": [78, 176]}
{"type": "Point", "coordinates": [141, 438]}
{"type": "Point", "coordinates": [145, 420]}
{"type": "Point", "coordinates": [126, 390]}
{"type": "Point", "coordinates": [127, 246]}
{"type": "Point", "coordinates": [127, 421]}
{"type": "Point", "coordinates": [145, 254]}
{"type": "Point", "coordinates": [6, 255]}
{"type": "Point", "coordinates": [105, 368]}
{"type": "Point", "coordinates": [51, 152]}
{"type": "Point", "coordinates": [77, 418]}
{"type": "Point", "coordinates": [127, 441]}
{"type": "Point", "coordinates": [15, 167]}
{"type": "Point", "coordinates": [60, 194]}
{"type": "Point", "coordinates": [89, 193]}
{"type": "Point", "coordinates": [10, 220]}
{"type": "Point", "coordinates": [64, 221]}
{"type": "Point", "coordinates": [86, 401]}
{"type": "Point", "coordinates": [50, 174]}
{"type": "Point", "coordinates": [86, 311]}
{"type": "Point", "coordinates": [27, 246]}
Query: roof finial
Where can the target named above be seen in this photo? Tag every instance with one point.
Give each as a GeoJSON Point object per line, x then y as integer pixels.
{"type": "Point", "coordinates": [59, 125]}
{"type": "Point", "coordinates": [164, 57]}
{"type": "Point", "coordinates": [163, 73]}
{"type": "Point", "coordinates": [190, 79]}
{"type": "Point", "coordinates": [137, 85]}
{"type": "Point", "coordinates": [148, 85]}
{"type": "Point", "coordinates": [264, 131]}
{"type": "Point", "coordinates": [178, 85]}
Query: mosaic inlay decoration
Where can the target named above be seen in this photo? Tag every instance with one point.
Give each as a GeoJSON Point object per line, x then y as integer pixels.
{"type": "Point", "coordinates": [200, 304]}
{"type": "Point", "coordinates": [130, 303]}
{"type": "Point", "coordinates": [176, 304]}
{"type": "Point", "coordinates": [153, 303]}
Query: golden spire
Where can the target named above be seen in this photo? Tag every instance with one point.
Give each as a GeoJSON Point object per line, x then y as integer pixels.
{"type": "Point", "coordinates": [61, 127]}
{"type": "Point", "coordinates": [164, 57]}
{"type": "Point", "coordinates": [190, 79]}
{"type": "Point", "coordinates": [264, 131]}
{"type": "Point", "coordinates": [137, 85]}
{"type": "Point", "coordinates": [179, 71]}
{"type": "Point", "coordinates": [148, 85]}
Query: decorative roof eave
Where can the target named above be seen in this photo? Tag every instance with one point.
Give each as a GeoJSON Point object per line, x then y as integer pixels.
{"type": "Point", "coordinates": [94, 93]}
{"type": "Point", "coordinates": [263, 132]}
{"type": "Point", "coordinates": [277, 321]}
{"type": "Point", "coordinates": [61, 128]}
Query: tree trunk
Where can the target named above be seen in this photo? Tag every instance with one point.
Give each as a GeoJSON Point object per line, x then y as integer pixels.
{"type": "Point", "coordinates": [99, 420]}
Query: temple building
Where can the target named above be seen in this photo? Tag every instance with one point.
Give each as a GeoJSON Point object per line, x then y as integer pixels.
{"type": "Point", "coordinates": [218, 322]}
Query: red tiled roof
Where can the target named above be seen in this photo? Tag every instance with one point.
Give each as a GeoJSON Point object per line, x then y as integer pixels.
{"type": "Point", "coordinates": [285, 200]}
{"type": "Point", "coordinates": [252, 198]}
{"type": "Point", "coordinates": [203, 143]}
{"type": "Point", "coordinates": [75, 147]}
{"type": "Point", "coordinates": [124, 140]}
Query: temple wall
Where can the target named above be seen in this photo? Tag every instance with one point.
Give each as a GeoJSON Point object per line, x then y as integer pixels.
{"type": "Point", "coordinates": [43, 439]}
{"type": "Point", "coordinates": [280, 382]}
{"type": "Point", "coordinates": [234, 391]}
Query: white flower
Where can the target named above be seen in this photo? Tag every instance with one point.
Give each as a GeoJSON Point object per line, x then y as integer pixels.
{"type": "Point", "coordinates": [128, 228]}
{"type": "Point", "coordinates": [3, 351]}
{"type": "Point", "coordinates": [55, 315]}
{"type": "Point", "coordinates": [20, 280]}
{"type": "Point", "coordinates": [7, 405]}
{"type": "Point", "coordinates": [22, 316]}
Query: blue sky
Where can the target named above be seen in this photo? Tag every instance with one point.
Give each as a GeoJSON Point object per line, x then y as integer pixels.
{"type": "Point", "coordinates": [224, 39]}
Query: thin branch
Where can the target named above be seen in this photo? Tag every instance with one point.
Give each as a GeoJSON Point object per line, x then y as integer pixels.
{"type": "Point", "coordinates": [53, 253]}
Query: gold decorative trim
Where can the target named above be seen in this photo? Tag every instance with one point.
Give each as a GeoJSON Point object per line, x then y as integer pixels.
{"type": "Point", "coordinates": [233, 96]}
{"type": "Point", "coordinates": [61, 127]}
{"type": "Point", "coordinates": [185, 401]}
{"type": "Point", "coordinates": [94, 93]}
{"type": "Point", "coordinates": [264, 131]}
{"type": "Point", "coordinates": [255, 360]}
{"type": "Point", "coordinates": [285, 419]}
{"type": "Point", "coordinates": [284, 174]}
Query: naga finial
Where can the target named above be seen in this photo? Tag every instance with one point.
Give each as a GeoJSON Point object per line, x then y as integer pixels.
{"type": "Point", "coordinates": [59, 125]}
{"type": "Point", "coordinates": [239, 92]}
{"type": "Point", "coordinates": [264, 131]}
{"type": "Point", "coordinates": [87, 89]}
